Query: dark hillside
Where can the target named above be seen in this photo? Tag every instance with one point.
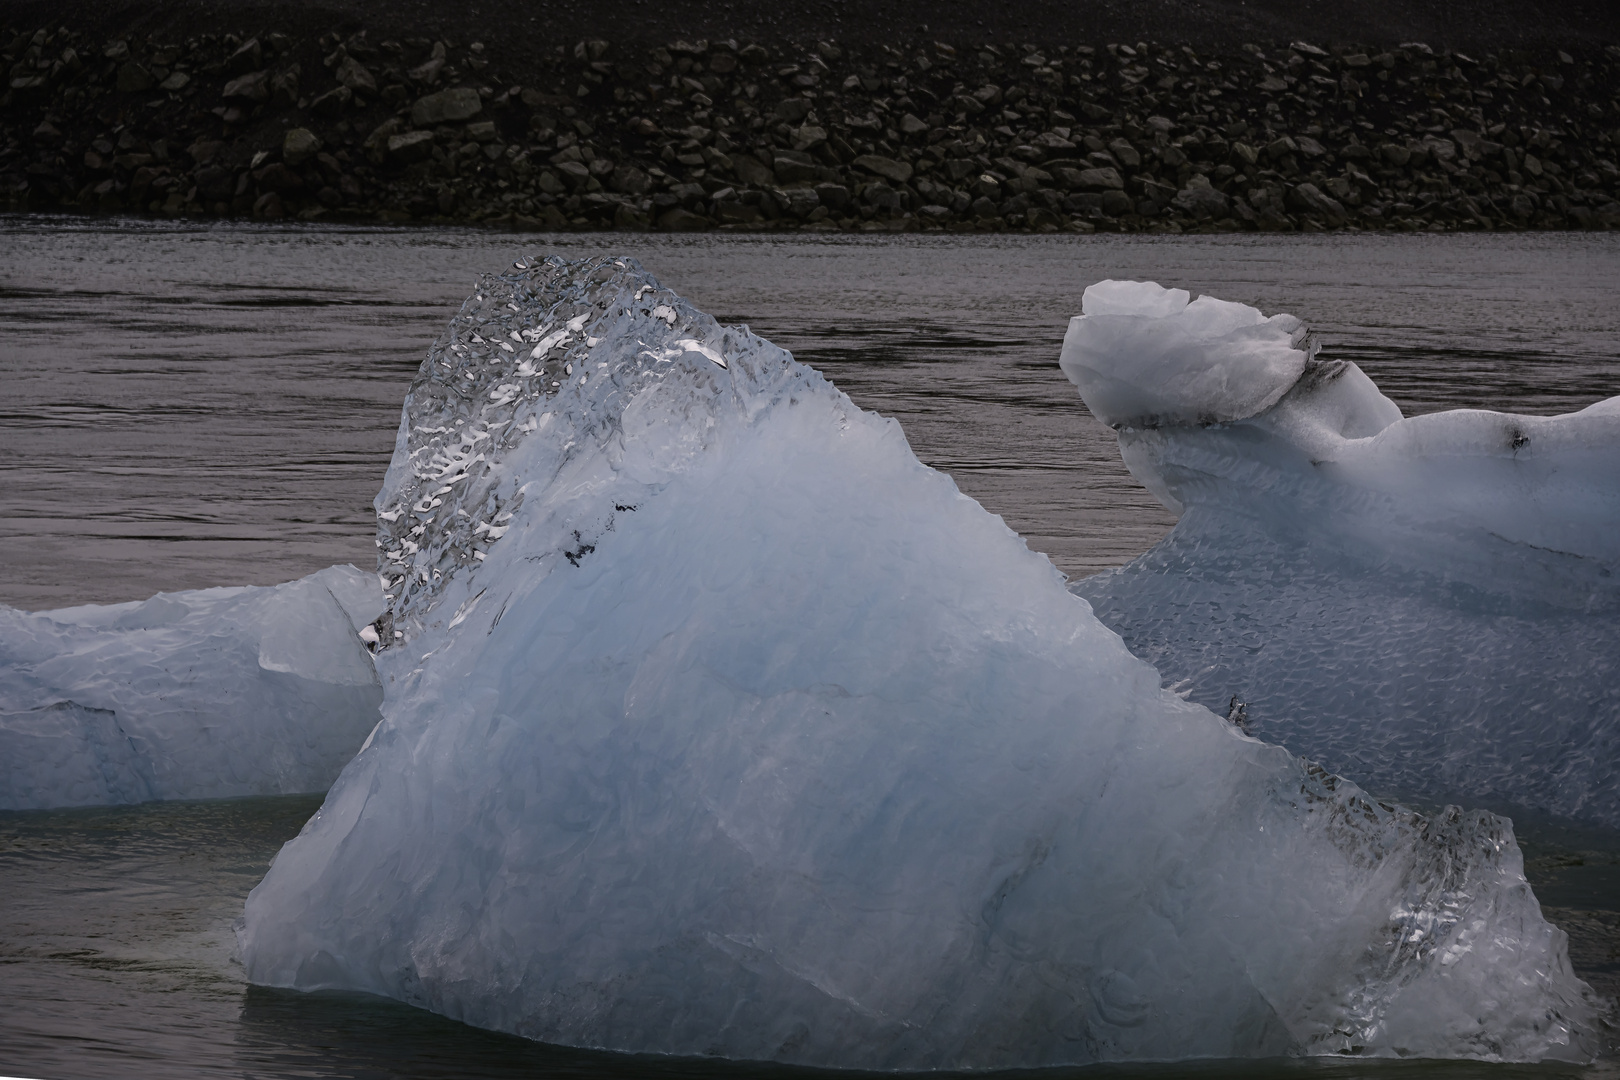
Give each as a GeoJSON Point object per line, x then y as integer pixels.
{"type": "Point", "coordinates": [1165, 115]}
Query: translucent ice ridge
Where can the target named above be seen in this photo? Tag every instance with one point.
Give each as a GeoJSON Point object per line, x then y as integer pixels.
{"type": "Point", "coordinates": [749, 735]}
{"type": "Point", "coordinates": [188, 695]}
{"type": "Point", "coordinates": [1430, 606]}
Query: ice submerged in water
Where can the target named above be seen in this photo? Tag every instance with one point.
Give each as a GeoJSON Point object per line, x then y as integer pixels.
{"type": "Point", "coordinates": [189, 695]}
{"type": "Point", "coordinates": [1430, 606]}
{"type": "Point", "coordinates": [722, 726]}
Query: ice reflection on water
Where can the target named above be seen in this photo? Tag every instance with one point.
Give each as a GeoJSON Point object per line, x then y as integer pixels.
{"type": "Point", "coordinates": [190, 406]}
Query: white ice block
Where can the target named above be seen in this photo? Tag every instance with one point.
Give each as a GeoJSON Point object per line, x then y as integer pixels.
{"type": "Point", "coordinates": [1427, 605]}
{"type": "Point", "coordinates": [189, 695]}
{"type": "Point", "coordinates": [718, 724]}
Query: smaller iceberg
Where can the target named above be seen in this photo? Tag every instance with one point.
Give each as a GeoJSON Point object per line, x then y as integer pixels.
{"type": "Point", "coordinates": [1428, 605]}
{"type": "Point", "coordinates": [191, 695]}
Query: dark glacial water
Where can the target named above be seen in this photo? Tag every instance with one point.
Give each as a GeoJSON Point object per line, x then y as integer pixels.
{"type": "Point", "coordinates": [192, 406]}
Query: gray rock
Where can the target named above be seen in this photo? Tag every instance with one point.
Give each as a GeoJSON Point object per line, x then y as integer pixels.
{"type": "Point", "coordinates": [1100, 179]}
{"type": "Point", "coordinates": [353, 74]}
{"type": "Point", "coordinates": [809, 137]}
{"type": "Point", "coordinates": [1310, 199]}
{"type": "Point", "coordinates": [1116, 203]}
{"type": "Point", "coordinates": [750, 170]}
{"type": "Point", "coordinates": [1125, 153]}
{"type": "Point", "coordinates": [791, 111]}
{"type": "Point", "coordinates": [428, 71]}
{"type": "Point", "coordinates": [734, 212]}
{"type": "Point", "coordinates": [888, 168]}
{"type": "Point", "coordinates": [277, 177]}
{"type": "Point", "coordinates": [333, 102]}
{"type": "Point", "coordinates": [629, 180]}
{"type": "Point", "coordinates": [912, 125]}
{"type": "Point", "coordinates": [575, 174]}
{"type": "Point", "coordinates": [447, 107]}
{"type": "Point", "coordinates": [795, 168]}
{"type": "Point", "coordinates": [682, 220]}
{"type": "Point", "coordinates": [254, 86]}
{"type": "Point", "coordinates": [800, 200]}
{"type": "Point", "coordinates": [833, 196]}
{"type": "Point", "coordinates": [268, 207]}
{"type": "Point", "coordinates": [249, 56]}
{"type": "Point", "coordinates": [134, 79]}
{"type": "Point", "coordinates": [410, 146]}
{"type": "Point", "coordinates": [1200, 199]}
{"type": "Point", "coordinates": [299, 145]}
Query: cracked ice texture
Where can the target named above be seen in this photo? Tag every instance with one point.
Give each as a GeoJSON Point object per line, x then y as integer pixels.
{"type": "Point", "coordinates": [1430, 606]}
{"type": "Point", "coordinates": [203, 694]}
{"type": "Point", "coordinates": [750, 735]}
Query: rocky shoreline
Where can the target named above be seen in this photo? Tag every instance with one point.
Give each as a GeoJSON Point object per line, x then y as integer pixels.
{"type": "Point", "coordinates": [739, 135]}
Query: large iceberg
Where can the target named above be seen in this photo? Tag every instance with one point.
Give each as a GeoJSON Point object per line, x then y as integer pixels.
{"type": "Point", "coordinates": [716, 724]}
{"type": "Point", "coordinates": [189, 695]}
{"type": "Point", "coordinates": [1429, 605]}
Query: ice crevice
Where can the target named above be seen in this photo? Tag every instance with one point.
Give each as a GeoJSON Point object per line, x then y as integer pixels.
{"type": "Point", "coordinates": [1430, 605]}
{"type": "Point", "coordinates": [716, 724]}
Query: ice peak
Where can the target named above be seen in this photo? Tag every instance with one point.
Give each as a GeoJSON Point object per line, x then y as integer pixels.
{"type": "Point", "coordinates": [535, 373]}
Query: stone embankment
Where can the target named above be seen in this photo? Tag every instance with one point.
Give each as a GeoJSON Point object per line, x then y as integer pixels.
{"type": "Point", "coordinates": [722, 134]}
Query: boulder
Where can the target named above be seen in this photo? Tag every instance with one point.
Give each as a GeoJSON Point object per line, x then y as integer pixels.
{"type": "Point", "coordinates": [791, 111]}
{"type": "Point", "coordinates": [1100, 180]}
{"type": "Point", "coordinates": [809, 137]}
{"type": "Point", "coordinates": [793, 167]}
{"type": "Point", "coordinates": [254, 86]}
{"type": "Point", "coordinates": [888, 168]}
{"type": "Point", "coordinates": [682, 220]}
{"type": "Point", "coordinates": [750, 170]}
{"type": "Point", "coordinates": [277, 177]}
{"type": "Point", "coordinates": [575, 174]}
{"type": "Point", "coordinates": [133, 78]}
{"type": "Point", "coordinates": [629, 180]}
{"type": "Point", "coordinates": [446, 107]}
{"type": "Point", "coordinates": [249, 56]}
{"type": "Point", "coordinates": [1200, 199]}
{"type": "Point", "coordinates": [1116, 203]}
{"type": "Point", "coordinates": [1310, 199]}
{"type": "Point", "coordinates": [333, 102]}
{"type": "Point", "coordinates": [353, 74]}
{"type": "Point", "coordinates": [299, 145]}
{"type": "Point", "coordinates": [833, 196]}
{"type": "Point", "coordinates": [410, 146]}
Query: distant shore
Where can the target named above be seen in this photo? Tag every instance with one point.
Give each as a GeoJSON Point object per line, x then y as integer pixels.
{"type": "Point", "coordinates": [132, 114]}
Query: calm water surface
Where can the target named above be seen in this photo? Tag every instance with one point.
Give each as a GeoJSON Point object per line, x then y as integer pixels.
{"type": "Point", "coordinates": [192, 406]}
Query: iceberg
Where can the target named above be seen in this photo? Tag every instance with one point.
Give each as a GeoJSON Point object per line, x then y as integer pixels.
{"type": "Point", "coordinates": [716, 724]}
{"type": "Point", "coordinates": [202, 694]}
{"type": "Point", "coordinates": [1428, 605]}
